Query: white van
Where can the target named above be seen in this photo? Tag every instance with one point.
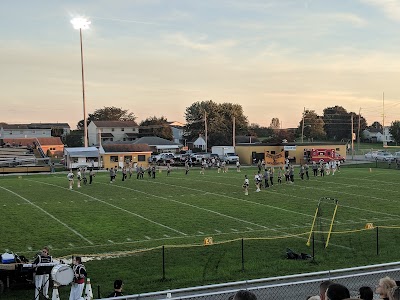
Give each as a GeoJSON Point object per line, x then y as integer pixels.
{"type": "Point", "coordinates": [396, 155]}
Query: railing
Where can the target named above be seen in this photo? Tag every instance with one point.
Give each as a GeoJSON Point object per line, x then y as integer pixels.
{"type": "Point", "coordinates": [39, 148]}
{"type": "Point", "coordinates": [298, 286]}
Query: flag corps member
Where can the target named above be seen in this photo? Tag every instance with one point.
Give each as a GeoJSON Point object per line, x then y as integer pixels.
{"type": "Point", "coordinates": [79, 279]}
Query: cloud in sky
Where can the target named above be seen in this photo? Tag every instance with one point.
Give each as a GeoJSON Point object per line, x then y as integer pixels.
{"type": "Point", "coordinates": [391, 8]}
{"type": "Point", "coordinates": [273, 58]}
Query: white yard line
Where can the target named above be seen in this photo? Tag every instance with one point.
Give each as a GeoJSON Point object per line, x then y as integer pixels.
{"type": "Point", "coordinates": [112, 205]}
{"type": "Point", "coordinates": [190, 205]}
{"type": "Point", "coordinates": [49, 214]}
{"type": "Point", "coordinates": [227, 216]}
{"type": "Point", "coordinates": [274, 191]}
{"type": "Point", "coordinates": [238, 199]}
{"type": "Point", "coordinates": [345, 193]}
{"type": "Point", "coordinates": [356, 186]}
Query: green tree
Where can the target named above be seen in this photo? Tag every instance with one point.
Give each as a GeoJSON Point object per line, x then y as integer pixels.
{"type": "Point", "coordinates": [156, 126]}
{"type": "Point", "coordinates": [394, 130]}
{"type": "Point", "coordinates": [337, 123]}
{"type": "Point", "coordinates": [376, 125]}
{"type": "Point", "coordinates": [313, 126]}
{"type": "Point", "coordinates": [110, 113]}
{"type": "Point", "coordinates": [280, 135]}
{"type": "Point", "coordinates": [219, 121]}
{"type": "Point", "coordinates": [363, 123]}
{"type": "Point", "coordinates": [275, 123]}
{"type": "Point", "coordinates": [74, 138]}
{"type": "Point", "coordinates": [260, 131]}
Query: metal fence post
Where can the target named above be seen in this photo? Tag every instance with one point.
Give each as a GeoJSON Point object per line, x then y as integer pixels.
{"type": "Point", "coordinates": [242, 255]}
{"type": "Point", "coordinates": [163, 262]}
{"type": "Point", "coordinates": [313, 246]}
{"type": "Point", "coordinates": [377, 240]}
{"type": "Point", "coordinates": [98, 291]}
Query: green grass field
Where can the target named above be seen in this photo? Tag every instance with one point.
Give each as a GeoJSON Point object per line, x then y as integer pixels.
{"type": "Point", "coordinates": [118, 223]}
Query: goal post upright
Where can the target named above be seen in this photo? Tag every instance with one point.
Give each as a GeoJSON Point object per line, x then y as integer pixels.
{"type": "Point", "coordinates": [313, 223]}
{"type": "Point", "coordinates": [331, 226]}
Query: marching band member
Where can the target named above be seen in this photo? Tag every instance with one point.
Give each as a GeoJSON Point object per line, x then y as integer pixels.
{"type": "Point", "coordinates": [41, 278]}
{"type": "Point", "coordinates": [79, 279]}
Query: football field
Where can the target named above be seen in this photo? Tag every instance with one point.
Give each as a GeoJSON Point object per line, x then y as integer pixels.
{"type": "Point", "coordinates": [181, 209]}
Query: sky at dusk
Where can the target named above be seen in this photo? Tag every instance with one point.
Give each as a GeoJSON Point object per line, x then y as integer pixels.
{"type": "Point", "coordinates": [157, 57]}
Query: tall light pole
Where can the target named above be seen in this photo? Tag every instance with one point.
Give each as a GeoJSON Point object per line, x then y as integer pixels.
{"type": "Point", "coordinates": [82, 23]}
{"type": "Point", "coordinates": [302, 126]}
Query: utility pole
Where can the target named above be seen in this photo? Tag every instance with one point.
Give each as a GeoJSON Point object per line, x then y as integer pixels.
{"type": "Point", "coordinates": [234, 131]}
{"type": "Point", "coordinates": [383, 120]}
{"type": "Point", "coordinates": [205, 128]}
{"type": "Point", "coordinates": [352, 139]}
{"type": "Point", "coordinates": [302, 126]}
{"type": "Point", "coordinates": [359, 128]}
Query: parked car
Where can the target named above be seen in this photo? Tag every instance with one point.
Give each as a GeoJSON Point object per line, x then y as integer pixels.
{"type": "Point", "coordinates": [396, 155]}
{"type": "Point", "coordinates": [385, 156]}
{"type": "Point", "coordinates": [214, 155]}
{"type": "Point", "coordinates": [371, 155]}
{"type": "Point", "coordinates": [230, 158]}
{"type": "Point", "coordinates": [198, 157]}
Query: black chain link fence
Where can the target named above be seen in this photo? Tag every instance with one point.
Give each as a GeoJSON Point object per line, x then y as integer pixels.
{"type": "Point", "coordinates": [286, 287]}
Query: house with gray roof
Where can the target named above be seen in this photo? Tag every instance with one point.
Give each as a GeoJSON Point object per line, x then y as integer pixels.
{"type": "Point", "coordinates": [112, 131]}
{"type": "Point", "coordinates": [158, 144]}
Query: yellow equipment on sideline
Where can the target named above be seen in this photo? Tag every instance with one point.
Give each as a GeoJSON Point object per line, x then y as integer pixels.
{"type": "Point", "coordinates": [318, 215]}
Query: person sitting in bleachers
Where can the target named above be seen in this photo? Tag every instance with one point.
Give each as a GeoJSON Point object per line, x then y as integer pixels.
{"type": "Point", "coordinates": [366, 293]}
{"type": "Point", "coordinates": [337, 291]}
{"type": "Point", "coordinates": [243, 295]}
{"type": "Point", "coordinates": [385, 288]}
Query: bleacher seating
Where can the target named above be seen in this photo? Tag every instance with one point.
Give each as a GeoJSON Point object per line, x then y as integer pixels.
{"type": "Point", "coordinates": [10, 157]}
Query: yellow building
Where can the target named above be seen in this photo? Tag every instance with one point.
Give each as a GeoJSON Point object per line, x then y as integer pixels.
{"type": "Point", "coordinates": [295, 152]}
{"type": "Point", "coordinates": [118, 155]}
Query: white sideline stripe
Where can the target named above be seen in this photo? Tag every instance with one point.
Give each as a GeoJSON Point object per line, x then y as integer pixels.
{"type": "Point", "coordinates": [49, 214]}
{"type": "Point", "coordinates": [112, 205]}
{"type": "Point", "coordinates": [111, 241]}
{"type": "Point", "coordinates": [147, 237]}
{"type": "Point", "coordinates": [166, 235]}
{"type": "Point", "coordinates": [249, 228]}
{"type": "Point", "coordinates": [219, 231]}
{"type": "Point", "coordinates": [193, 206]}
{"type": "Point", "coordinates": [200, 232]}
